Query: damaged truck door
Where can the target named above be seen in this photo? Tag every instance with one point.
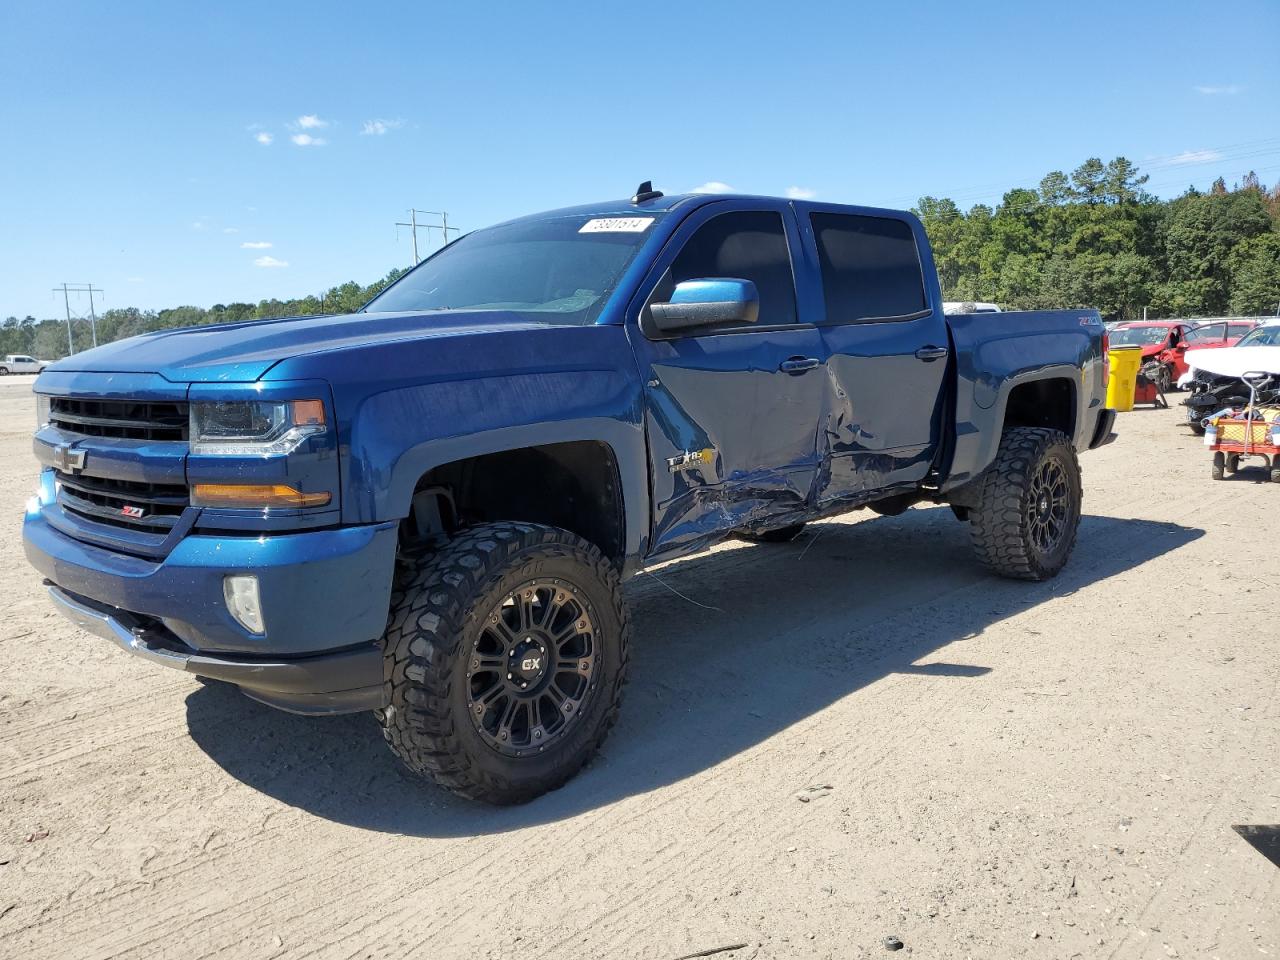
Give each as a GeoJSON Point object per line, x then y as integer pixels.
{"type": "Point", "coordinates": [730, 406]}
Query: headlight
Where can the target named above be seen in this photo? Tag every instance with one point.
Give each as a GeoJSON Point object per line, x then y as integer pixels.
{"type": "Point", "coordinates": [44, 408]}
{"type": "Point", "coordinates": [254, 428]}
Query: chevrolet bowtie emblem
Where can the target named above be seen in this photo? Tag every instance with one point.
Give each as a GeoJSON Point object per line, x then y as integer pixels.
{"type": "Point", "coordinates": [68, 459]}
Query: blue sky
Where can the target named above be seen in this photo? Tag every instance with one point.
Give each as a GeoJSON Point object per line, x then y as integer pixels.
{"type": "Point", "coordinates": [143, 146]}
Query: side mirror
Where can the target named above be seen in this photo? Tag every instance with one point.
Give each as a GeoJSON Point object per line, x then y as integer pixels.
{"type": "Point", "coordinates": [706, 303]}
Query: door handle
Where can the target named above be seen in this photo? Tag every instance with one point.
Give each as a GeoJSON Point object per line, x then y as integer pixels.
{"type": "Point", "coordinates": [931, 353]}
{"type": "Point", "coordinates": [798, 364]}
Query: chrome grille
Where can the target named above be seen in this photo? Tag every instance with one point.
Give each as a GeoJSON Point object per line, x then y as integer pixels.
{"type": "Point", "coordinates": [127, 419]}
{"type": "Point", "coordinates": [146, 507]}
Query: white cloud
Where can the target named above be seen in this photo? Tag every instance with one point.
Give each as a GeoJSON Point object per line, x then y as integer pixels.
{"type": "Point", "coordinates": [311, 122]}
{"type": "Point", "coordinates": [199, 225]}
{"type": "Point", "coordinates": [712, 186]}
{"type": "Point", "coordinates": [1225, 90]}
{"type": "Point", "coordinates": [230, 229]}
{"type": "Point", "coordinates": [255, 245]}
{"type": "Point", "coordinates": [378, 127]}
{"type": "Point", "coordinates": [263, 138]}
{"type": "Point", "coordinates": [801, 193]}
{"type": "Point", "coordinates": [1195, 156]}
{"type": "Point", "coordinates": [307, 140]}
{"type": "Point", "coordinates": [270, 262]}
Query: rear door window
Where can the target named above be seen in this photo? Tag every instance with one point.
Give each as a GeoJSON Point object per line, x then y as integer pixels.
{"type": "Point", "coordinates": [870, 268]}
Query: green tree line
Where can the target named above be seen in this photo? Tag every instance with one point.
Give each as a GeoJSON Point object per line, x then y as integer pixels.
{"type": "Point", "coordinates": [47, 339]}
{"type": "Point", "coordinates": [1095, 238]}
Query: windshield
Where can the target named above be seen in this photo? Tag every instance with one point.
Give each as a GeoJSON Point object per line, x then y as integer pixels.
{"type": "Point", "coordinates": [1261, 337]}
{"type": "Point", "coordinates": [1138, 336]}
{"type": "Point", "coordinates": [557, 270]}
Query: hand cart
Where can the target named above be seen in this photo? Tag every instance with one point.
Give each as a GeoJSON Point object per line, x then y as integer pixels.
{"type": "Point", "coordinates": [1252, 432]}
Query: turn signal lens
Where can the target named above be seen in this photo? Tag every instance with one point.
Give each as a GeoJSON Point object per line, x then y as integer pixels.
{"type": "Point", "coordinates": [308, 413]}
{"type": "Point", "coordinates": [254, 495]}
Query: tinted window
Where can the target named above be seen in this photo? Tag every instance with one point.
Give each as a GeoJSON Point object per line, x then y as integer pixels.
{"type": "Point", "coordinates": [870, 267]}
{"type": "Point", "coordinates": [1238, 329]}
{"type": "Point", "coordinates": [745, 246]}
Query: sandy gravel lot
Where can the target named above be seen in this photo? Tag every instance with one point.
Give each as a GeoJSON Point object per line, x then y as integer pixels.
{"type": "Point", "coordinates": [1015, 770]}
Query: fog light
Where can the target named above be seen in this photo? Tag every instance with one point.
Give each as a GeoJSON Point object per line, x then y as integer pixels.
{"type": "Point", "coordinates": [241, 593]}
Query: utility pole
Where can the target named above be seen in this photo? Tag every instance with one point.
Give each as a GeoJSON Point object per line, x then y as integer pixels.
{"type": "Point", "coordinates": [71, 347]}
{"type": "Point", "coordinates": [93, 317]}
{"type": "Point", "coordinates": [413, 225]}
{"type": "Point", "coordinates": [90, 289]}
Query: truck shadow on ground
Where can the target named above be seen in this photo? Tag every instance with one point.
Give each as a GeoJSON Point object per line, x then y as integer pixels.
{"type": "Point", "coordinates": [729, 648]}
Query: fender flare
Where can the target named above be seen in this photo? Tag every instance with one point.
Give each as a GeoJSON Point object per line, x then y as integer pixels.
{"type": "Point", "coordinates": [978, 438]}
{"type": "Point", "coordinates": [624, 440]}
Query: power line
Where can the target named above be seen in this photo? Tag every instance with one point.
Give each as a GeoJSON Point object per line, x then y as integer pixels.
{"type": "Point", "coordinates": [442, 226]}
{"type": "Point", "coordinates": [67, 290]}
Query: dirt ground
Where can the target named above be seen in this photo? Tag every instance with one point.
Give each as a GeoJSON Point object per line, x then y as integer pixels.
{"type": "Point", "coordinates": [856, 736]}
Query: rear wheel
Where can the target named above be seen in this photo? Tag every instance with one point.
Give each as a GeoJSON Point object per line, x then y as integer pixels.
{"type": "Point", "coordinates": [1275, 470]}
{"type": "Point", "coordinates": [504, 661]}
{"type": "Point", "coordinates": [1024, 524]}
{"type": "Point", "coordinates": [1219, 465]}
{"type": "Point", "coordinates": [1233, 462]}
{"type": "Point", "coordinates": [780, 535]}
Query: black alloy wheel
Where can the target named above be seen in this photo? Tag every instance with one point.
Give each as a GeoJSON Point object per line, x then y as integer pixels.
{"type": "Point", "coordinates": [532, 667]}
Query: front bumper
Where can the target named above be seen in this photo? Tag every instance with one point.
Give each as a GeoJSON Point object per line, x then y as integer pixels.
{"type": "Point", "coordinates": [347, 681]}
{"type": "Point", "coordinates": [325, 595]}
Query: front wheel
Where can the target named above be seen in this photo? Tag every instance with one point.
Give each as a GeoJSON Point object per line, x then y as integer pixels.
{"type": "Point", "coordinates": [504, 660]}
{"type": "Point", "coordinates": [4, 371]}
{"type": "Point", "coordinates": [1024, 524]}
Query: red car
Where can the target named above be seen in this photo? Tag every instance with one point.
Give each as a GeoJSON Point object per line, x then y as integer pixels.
{"type": "Point", "coordinates": [1210, 336]}
{"type": "Point", "coordinates": [1163, 340]}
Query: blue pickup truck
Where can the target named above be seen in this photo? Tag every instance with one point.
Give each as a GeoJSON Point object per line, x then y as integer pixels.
{"type": "Point", "coordinates": [426, 509]}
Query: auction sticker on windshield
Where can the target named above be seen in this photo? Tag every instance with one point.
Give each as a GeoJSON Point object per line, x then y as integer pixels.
{"type": "Point", "coordinates": [616, 225]}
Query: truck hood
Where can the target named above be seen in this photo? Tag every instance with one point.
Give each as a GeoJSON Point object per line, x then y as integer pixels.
{"type": "Point", "coordinates": [244, 352]}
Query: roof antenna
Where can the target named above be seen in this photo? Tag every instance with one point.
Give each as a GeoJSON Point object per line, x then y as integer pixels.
{"type": "Point", "coordinates": [646, 192]}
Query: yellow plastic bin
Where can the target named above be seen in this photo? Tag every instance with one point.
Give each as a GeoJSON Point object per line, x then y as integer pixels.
{"type": "Point", "coordinates": [1125, 362]}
